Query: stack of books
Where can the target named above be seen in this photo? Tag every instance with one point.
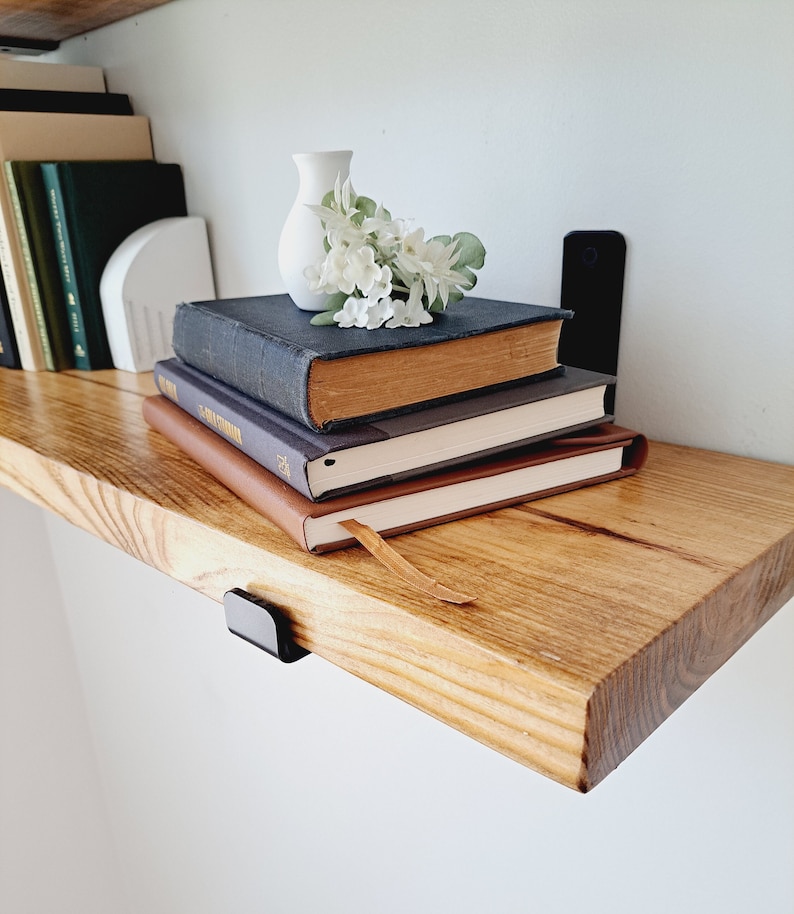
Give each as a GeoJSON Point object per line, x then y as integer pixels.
{"type": "Point", "coordinates": [78, 176]}
{"type": "Point", "coordinates": [396, 429]}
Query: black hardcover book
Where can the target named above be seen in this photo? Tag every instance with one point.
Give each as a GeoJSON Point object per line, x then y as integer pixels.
{"type": "Point", "coordinates": [9, 356]}
{"type": "Point", "coordinates": [94, 206]}
{"type": "Point", "coordinates": [327, 376]}
{"type": "Point", "coordinates": [65, 102]}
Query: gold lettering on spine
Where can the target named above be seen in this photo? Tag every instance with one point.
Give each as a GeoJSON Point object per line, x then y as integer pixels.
{"type": "Point", "coordinates": [221, 423]}
{"type": "Point", "coordinates": [167, 387]}
{"type": "Point", "coordinates": [283, 465]}
{"type": "Point", "coordinates": [59, 239]}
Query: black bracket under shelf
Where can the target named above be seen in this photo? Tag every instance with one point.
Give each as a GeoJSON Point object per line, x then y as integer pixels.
{"type": "Point", "coordinates": [261, 624]}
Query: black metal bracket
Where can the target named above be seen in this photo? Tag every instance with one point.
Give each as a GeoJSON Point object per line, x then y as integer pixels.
{"type": "Point", "coordinates": [261, 624]}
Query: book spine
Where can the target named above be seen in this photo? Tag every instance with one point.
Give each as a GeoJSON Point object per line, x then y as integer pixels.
{"type": "Point", "coordinates": [63, 246]}
{"type": "Point", "coordinates": [65, 101]}
{"type": "Point", "coordinates": [235, 354]}
{"type": "Point", "coordinates": [38, 228]}
{"type": "Point", "coordinates": [31, 355]}
{"type": "Point", "coordinates": [30, 273]}
{"type": "Point", "coordinates": [265, 493]}
{"type": "Point", "coordinates": [247, 429]}
{"type": "Point", "coordinates": [24, 74]}
{"type": "Point", "coordinates": [9, 356]}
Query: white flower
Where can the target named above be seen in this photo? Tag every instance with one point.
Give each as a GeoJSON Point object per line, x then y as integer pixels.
{"type": "Point", "coordinates": [327, 274]}
{"type": "Point", "coordinates": [353, 313]}
{"type": "Point", "coordinates": [383, 271]}
{"type": "Point", "coordinates": [382, 287]}
{"type": "Point", "coordinates": [410, 313]}
{"type": "Point", "coordinates": [386, 233]}
{"type": "Point", "coordinates": [431, 262]}
{"type": "Point", "coordinates": [361, 271]}
{"type": "Point", "coordinates": [314, 276]}
{"type": "Point", "coordinates": [364, 312]}
{"type": "Point", "coordinates": [343, 193]}
{"type": "Point", "coordinates": [379, 312]}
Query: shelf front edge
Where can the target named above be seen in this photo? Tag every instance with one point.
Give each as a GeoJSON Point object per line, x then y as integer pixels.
{"type": "Point", "coordinates": [642, 693]}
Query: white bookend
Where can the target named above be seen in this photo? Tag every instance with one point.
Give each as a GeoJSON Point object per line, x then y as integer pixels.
{"type": "Point", "coordinates": [149, 274]}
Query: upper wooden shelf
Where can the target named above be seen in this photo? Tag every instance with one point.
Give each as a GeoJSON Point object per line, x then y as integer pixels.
{"type": "Point", "coordinates": [598, 613]}
{"type": "Point", "coordinates": [56, 20]}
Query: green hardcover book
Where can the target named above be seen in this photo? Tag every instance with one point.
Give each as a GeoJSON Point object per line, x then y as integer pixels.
{"type": "Point", "coordinates": [41, 266]}
{"type": "Point", "coordinates": [94, 206]}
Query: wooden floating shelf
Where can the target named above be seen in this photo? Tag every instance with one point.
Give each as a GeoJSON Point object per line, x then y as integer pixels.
{"type": "Point", "coordinates": [598, 613]}
{"type": "Point", "coordinates": [56, 20]}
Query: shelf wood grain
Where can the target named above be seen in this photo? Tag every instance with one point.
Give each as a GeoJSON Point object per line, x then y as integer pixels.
{"type": "Point", "coordinates": [598, 612]}
{"type": "Point", "coordinates": [56, 20]}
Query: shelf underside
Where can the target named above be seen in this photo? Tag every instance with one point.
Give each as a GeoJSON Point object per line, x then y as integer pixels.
{"type": "Point", "coordinates": [598, 612]}
{"type": "Point", "coordinates": [56, 20]}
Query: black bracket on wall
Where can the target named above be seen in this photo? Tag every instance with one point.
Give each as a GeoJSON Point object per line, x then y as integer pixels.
{"type": "Point", "coordinates": [593, 267]}
{"type": "Point", "coordinates": [261, 624]}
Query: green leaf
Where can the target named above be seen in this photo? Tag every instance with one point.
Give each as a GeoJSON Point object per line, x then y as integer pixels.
{"type": "Point", "coordinates": [328, 199]}
{"type": "Point", "coordinates": [465, 271]}
{"type": "Point", "coordinates": [472, 252]}
{"type": "Point", "coordinates": [438, 305]}
{"type": "Point", "coordinates": [444, 239]}
{"type": "Point", "coordinates": [366, 206]}
{"type": "Point", "coordinates": [335, 302]}
{"type": "Point", "coordinates": [323, 319]}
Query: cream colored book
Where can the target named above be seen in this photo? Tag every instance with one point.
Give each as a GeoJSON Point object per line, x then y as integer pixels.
{"type": "Point", "coordinates": [61, 77]}
{"type": "Point", "coordinates": [36, 136]}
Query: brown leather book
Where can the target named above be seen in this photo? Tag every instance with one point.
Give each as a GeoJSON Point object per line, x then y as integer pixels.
{"type": "Point", "coordinates": [602, 453]}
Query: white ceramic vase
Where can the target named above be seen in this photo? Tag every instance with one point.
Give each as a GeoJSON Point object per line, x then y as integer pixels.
{"type": "Point", "coordinates": [301, 241]}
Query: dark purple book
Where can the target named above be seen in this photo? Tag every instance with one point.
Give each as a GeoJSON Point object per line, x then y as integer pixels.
{"type": "Point", "coordinates": [321, 465]}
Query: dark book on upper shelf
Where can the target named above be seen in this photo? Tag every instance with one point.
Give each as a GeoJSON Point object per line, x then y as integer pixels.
{"type": "Point", "coordinates": [9, 355]}
{"type": "Point", "coordinates": [602, 453]}
{"type": "Point", "coordinates": [94, 206]}
{"type": "Point", "coordinates": [34, 229]}
{"type": "Point", "coordinates": [321, 465]}
{"type": "Point", "coordinates": [47, 136]}
{"type": "Point", "coordinates": [53, 100]}
{"type": "Point", "coordinates": [327, 376]}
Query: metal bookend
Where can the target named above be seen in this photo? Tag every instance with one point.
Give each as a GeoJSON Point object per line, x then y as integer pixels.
{"type": "Point", "coordinates": [262, 624]}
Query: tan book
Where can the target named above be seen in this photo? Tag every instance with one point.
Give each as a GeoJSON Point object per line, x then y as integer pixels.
{"type": "Point", "coordinates": [61, 77]}
{"type": "Point", "coordinates": [26, 135]}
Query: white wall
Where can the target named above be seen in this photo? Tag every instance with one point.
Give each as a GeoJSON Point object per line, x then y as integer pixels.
{"type": "Point", "coordinates": [56, 847]}
{"type": "Point", "coordinates": [235, 784]}
{"type": "Point", "coordinates": [520, 121]}
{"type": "Point", "coordinates": [238, 784]}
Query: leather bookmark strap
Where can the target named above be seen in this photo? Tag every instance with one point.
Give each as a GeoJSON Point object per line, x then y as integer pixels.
{"type": "Point", "coordinates": [374, 543]}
